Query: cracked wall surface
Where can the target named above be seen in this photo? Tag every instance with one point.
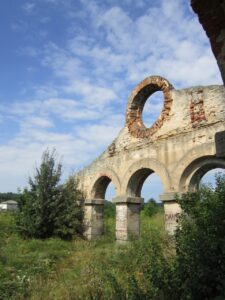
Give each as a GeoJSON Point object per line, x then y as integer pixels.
{"type": "Point", "coordinates": [186, 141]}
{"type": "Point", "coordinates": [180, 147]}
{"type": "Point", "coordinates": [184, 131]}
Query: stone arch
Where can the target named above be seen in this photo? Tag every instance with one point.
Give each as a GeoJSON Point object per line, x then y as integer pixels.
{"type": "Point", "coordinates": [137, 101]}
{"type": "Point", "coordinates": [192, 155]}
{"type": "Point", "coordinates": [139, 171]}
{"type": "Point", "coordinates": [101, 182]}
{"type": "Point", "coordinates": [194, 172]}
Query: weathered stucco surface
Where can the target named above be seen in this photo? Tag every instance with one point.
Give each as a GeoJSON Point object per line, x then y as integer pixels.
{"type": "Point", "coordinates": [179, 147]}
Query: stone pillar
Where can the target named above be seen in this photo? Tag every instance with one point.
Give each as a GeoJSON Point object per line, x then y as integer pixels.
{"type": "Point", "coordinates": [127, 217]}
{"type": "Point", "coordinates": [93, 218]}
{"type": "Point", "coordinates": [172, 210]}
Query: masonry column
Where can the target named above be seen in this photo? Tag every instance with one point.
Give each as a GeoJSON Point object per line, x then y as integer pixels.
{"type": "Point", "coordinates": [93, 218]}
{"type": "Point", "coordinates": [172, 210]}
{"type": "Point", "coordinates": [127, 217]}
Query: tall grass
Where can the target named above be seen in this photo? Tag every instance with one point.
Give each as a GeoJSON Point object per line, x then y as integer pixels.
{"type": "Point", "coordinates": [56, 269]}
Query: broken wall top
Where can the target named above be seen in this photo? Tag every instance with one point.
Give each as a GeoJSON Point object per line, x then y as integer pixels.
{"type": "Point", "coordinates": [184, 110]}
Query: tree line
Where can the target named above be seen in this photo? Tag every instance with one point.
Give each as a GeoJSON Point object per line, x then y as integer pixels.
{"type": "Point", "coordinates": [8, 196]}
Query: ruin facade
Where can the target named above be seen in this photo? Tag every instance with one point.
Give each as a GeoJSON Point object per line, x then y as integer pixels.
{"type": "Point", "coordinates": [185, 142]}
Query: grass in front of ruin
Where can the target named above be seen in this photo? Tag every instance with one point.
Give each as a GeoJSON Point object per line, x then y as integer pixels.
{"type": "Point", "coordinates": [78, 269]}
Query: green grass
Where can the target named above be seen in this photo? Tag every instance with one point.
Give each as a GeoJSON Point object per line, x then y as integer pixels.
{"type": "Point", "coordinates": [79, 269]}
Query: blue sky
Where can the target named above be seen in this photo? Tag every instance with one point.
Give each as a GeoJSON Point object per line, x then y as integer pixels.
{"type": "Point", "coordinates": [68, 67]}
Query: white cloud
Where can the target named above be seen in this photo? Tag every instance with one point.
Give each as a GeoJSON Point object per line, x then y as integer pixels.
{"type": "Point", "coordinates": [39, 122]}
{"type": "Point", "coordinates": [93, 69]}
{"type": "Point", "coordinates": [93, 95]}
{"type": "Point", "coordinates": [37, 131]}
{"type": "Point", "coordinates": [157, 42]}
{"type": "Point", "coordinates": [29, 7]}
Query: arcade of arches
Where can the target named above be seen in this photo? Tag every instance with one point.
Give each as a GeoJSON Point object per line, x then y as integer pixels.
{"type": "Point", "coordinates": [185, 142]}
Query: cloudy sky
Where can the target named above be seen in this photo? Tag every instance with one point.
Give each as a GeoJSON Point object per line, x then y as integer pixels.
{"type": "Point", "coordinates": [68, 67]}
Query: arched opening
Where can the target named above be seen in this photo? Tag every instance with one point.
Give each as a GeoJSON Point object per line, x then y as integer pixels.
{"type": "Point", "coordinates": [152, 108]}
{"type": "Point", "coordinates": [152, 188]}
{"type": "Point", "coordinates": [194, 174]}
{"type": "Point", "coordinates": [147, 184]}
{"type": "Point", "coordinates": [210, 177]}
{"type": "Point", "coordinates": [136, 182]}
{"type": "Point", "coordinates": [100, 186]}
{"type": "Point", "coordinates": [206, 175]}
{"type": "Point", "coordinates": [110, 211]}
{"type": "Point", "coordinates": [110, 192]}
{"type": "Point", "coordinates": [104, 189]}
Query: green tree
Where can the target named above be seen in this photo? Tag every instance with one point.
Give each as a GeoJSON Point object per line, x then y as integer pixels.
{"type": "Point", "coordinates": [70, 213]}
{"type": "Point", "coordinates": [151, 207]}
{"type": "Point", "coordinates": [200, 244]}
{"type": "Point", "coordinates": [109, 209]}
{"type": "Point", "coordinates": [8, 196]}
{"type": "Point", "coordinates": [47, 208]}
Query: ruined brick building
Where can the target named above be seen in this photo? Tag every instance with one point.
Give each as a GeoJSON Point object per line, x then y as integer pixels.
{"type": "Point", "coordinates": [186, 141]}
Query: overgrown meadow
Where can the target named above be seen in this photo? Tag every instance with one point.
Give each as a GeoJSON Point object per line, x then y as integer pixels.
{"type": "Point", "coordinates": [79, 269]}
{"type": "Point", "coordinates": [188, 266]}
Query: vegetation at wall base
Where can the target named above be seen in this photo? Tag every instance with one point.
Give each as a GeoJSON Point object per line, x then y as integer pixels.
{"type": "Point", "coordinates": [157, 266]}
{"type": "Point", "coordinates": [76, 269]}
{"type": "Point", "coordinates": [200, 244]}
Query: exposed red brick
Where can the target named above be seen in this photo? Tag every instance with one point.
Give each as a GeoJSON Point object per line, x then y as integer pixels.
{"type": "Point", "coordinates": [197, 112]}
{"type": "Point", "coordinates": [137, 101]}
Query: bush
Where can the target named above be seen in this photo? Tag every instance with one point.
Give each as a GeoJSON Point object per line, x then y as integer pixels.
{"type": "Point", "coordinates": [151, 207]}
{"type": "Point", "coordinates": [138, 270]}
{"type": "Point", "coordinates": [48, 208]}
{"type": "Point", "coordinates": [70, 213]}
{"type": "Point", "coordinates": [109, 209]}
{"type": "Point", "coordinates": [200, 244]}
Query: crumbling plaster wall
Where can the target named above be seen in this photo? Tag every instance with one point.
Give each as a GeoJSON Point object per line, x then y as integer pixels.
{"type": "Point", "coordinates": [184, 132]}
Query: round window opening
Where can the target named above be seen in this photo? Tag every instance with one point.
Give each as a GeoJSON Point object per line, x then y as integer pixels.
{"type": "Point", "coordinates": [152, 108]}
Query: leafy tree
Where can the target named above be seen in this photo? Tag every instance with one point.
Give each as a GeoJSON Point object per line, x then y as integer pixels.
{"type": "Point", "coordinates": [200, 244]}
{"type": "Point", "coordinates": [48, 208]}
{"type": "Point", "coordinates": [69, 219]}
{"type": "Point", "coordinates": [151, 207]}
{"type": "Point", "coordinates": [109, 209]}
{"type": "Point", "coordinates": [8, 196]}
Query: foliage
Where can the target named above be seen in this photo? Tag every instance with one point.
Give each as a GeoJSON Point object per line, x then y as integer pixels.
{"type": "Point", "coordinates": [48, 208]}
{"type": "Point", "coordinates": [109, 219]}
{"type": "Point", "coordinates": [139, 270]}
{"type": "Point", "coordinates": [200, 244]}
{"type": "Point", "coordinates": [23, 261]}
{"type": "Point", "coordinates": [148, 268]}
{"type": "Point", "coordinates": [69, 220]}
{"type": "Point", "coordinates": [8, 196]}
{"type": "Point", "coordinates": [151, 207]}
{"type": "Point", "coordinates": [79, 269]}
{"type": "Point", "coordinates": [109, 209]}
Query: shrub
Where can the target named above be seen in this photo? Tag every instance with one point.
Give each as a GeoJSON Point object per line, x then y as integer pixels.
{"type": "Point", "coordinates": [151, 208]}
{"type": "Point", "coordinates": [139, 270]}
{"type": "Point", "coordinates": [200, 244]}
{"type": "Point", "coordinates": [70, 213]}
{"type": "Point", "coordinates": [48, 208]}
{"type": "Point", "coordinates": [109, 209]}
